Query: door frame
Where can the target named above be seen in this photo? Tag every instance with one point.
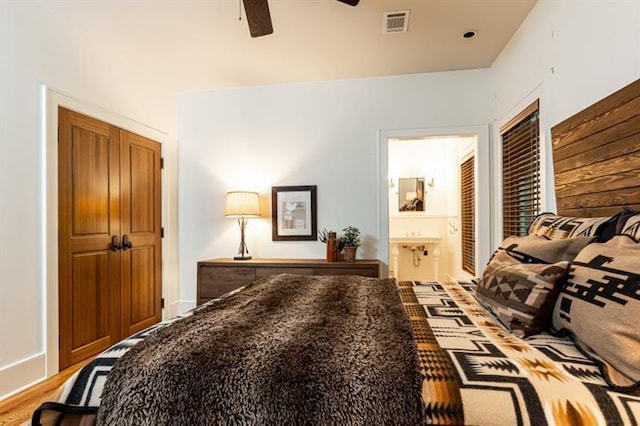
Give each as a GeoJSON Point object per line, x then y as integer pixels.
{"type": "Point", "coordinates": [51, 100]}
{"type": "Point", "coordinates": [483, 208]}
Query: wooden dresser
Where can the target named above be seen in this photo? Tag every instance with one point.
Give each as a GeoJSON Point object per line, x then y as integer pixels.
{"type": "Point", "coordinates": [219, 276]}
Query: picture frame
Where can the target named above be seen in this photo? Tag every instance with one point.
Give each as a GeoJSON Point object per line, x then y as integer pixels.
{"type": "Point", "coordinates": [294, 213]}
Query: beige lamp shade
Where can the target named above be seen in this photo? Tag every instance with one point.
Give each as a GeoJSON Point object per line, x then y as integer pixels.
{"type": "Point", "coordinates": [242, 204]}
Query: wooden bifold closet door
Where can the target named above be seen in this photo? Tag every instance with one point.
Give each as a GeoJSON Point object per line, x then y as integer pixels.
{"type": "Point", "coordinates": [109, 202]}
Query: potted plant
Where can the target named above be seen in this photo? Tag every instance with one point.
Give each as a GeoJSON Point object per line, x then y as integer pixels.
{"type": "Point", "coordinates": [349, 242]}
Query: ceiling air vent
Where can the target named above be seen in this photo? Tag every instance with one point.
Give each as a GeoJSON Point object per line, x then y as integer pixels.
{"type": "Point", "coordinates": [395, 22]}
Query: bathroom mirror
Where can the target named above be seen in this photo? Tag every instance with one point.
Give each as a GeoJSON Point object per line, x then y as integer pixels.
{"type": "Point", "coordinates": [411, 194]}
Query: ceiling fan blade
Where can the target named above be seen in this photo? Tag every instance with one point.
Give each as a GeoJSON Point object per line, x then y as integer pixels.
{"type": "Point", "coordinates": [258, 16]}
{"type": "Point", "coordinates": [350, 2]}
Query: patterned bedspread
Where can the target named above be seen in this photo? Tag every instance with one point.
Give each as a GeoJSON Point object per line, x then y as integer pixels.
{"type": "Point", "coordinates": [474, 371]}
{"type": "Point", "coordinates": [477, 373]}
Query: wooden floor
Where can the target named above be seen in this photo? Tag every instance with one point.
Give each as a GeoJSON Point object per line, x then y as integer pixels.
{"type": "Point", "coordinates": [17, 409]}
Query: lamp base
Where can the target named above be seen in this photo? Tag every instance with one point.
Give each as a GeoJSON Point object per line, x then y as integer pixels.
{"type": "Point", "coordinates": [242, 258]}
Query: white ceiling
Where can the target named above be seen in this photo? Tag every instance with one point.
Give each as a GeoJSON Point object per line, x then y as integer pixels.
{"type": "Point", "coordinates": [201, 44]}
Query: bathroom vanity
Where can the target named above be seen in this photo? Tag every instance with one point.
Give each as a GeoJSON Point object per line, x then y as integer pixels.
{"type": "Point", "coordinates": [413, 243]}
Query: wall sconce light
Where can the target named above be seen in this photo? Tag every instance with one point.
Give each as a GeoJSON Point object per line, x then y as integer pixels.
{"type": "Point", "coordinates": [242, 204]}
{"type": "Point", "coordinates": [431, 182]}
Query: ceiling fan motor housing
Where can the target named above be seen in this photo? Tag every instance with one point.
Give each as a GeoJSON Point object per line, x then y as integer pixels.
{"type": "Point", "coordinates": [259, 18]}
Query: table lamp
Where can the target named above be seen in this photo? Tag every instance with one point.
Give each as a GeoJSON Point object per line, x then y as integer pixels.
{"type": "Point", "coordinates": [242, 204]}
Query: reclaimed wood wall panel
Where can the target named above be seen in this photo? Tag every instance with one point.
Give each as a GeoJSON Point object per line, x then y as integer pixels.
{"type": "Point", "coordinates": [596, 156]}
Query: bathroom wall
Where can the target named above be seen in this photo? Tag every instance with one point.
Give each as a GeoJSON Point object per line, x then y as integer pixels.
{"type": "Point", "coordinates": [437, 161]}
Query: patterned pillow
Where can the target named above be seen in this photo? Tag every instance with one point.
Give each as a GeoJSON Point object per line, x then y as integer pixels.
{"type": "Point", "coordinates": [600, 307]}
{"type": "Point", "coordinates": [542, 249]}
{"type": "Point", "coordinates": [629, 224]}
{"type": "Point", "coordinates": [560, 227]}
{"type": "Point", "coordinates": [625, 214]}
{"type": "Point", "coordinates": [521, 295]}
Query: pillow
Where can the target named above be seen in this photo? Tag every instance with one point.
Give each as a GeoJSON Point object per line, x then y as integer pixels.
{"type": "Point", "coordinates": [542, 249]}
{"type": "Point", "coordinates": [520, 295]}
{"type": "Point", "coordinates": [559, 227]}
{"type": "Point", "coordinates": [626, 213]}
{"type": "Point", "coordinates": [629, 224]}
{"type": "Point", "coordinates": [600, 307]}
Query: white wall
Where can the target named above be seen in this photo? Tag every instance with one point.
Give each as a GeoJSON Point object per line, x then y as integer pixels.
{"type": "Point", "coordinates": [39, 48]}
{"type": "Point", "coordinates": [323, 134]}
{"type": "Point", "coordinates": [570, 54]}
{"type": "Point", "coordinates": [425, 158]}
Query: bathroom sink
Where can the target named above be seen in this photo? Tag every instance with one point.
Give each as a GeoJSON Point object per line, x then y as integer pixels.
{"type": "Point", "coordinates": [414, 242]}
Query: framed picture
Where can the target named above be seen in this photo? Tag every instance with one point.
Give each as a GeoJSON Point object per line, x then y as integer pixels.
{"type": "Point", "coordinates": [294, 213]}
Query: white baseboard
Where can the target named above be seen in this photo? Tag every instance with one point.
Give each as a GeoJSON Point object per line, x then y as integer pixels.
{"type": "Point", "coordinates": [17, 377]}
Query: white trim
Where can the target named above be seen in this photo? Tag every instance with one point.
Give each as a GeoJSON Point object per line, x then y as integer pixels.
{"type": "Point", "coordinates": [484, 215]}
{"type": "Point", "coordinates": [44, 270]}
{"type": "Point", "coordinates": [53, 100]}
{"type": "Point", "coordinates": [465, 154]}
{"type": "Point", "coordinates": [19, 376]}
{"type": "Point", "coordinates": [383, 202]}
{"type": "Point", "coordinates": [383, 192]}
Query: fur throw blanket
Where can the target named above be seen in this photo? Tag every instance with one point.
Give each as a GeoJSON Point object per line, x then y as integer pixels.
{"type": "Point", "coordinates": [287, 350]}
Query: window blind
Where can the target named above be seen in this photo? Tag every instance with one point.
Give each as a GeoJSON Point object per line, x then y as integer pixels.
{"type": "Point", "coordinates": [467, 216]}
{"type": "Point", "coordinates": [521, 171]}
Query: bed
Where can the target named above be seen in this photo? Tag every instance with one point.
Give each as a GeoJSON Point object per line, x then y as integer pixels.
{"type": "Point", "coordinates": [546, 335]}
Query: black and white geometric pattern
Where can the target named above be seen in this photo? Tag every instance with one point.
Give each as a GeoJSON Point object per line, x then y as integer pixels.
{"type": "Point", "coordinates": [505, 380]}
{"type": "Point", "coordinates": [600, 307]}
{"type": "Point", "coordinates": [521, 295]}
{"type": "Point", "coordinates": [631, 227]}
{"type": "Point", "coordinates": [86, 389]}
{"type": "Point", "coordinates": [560, 227]}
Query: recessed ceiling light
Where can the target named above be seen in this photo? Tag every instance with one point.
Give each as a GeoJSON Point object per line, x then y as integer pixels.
{"type": "Point", "coordinates": [469, 34]}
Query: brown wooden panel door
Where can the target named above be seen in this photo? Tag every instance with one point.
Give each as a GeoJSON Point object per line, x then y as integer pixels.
{"type": "Point", "coordinates": [140, 194]}
{"type": "Point", "coordinates": [88, 216]}
{"type": "Point", "coordinates": [90, 286]}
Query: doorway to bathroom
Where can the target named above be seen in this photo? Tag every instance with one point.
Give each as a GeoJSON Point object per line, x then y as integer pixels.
{"type": "Point", "coordinates": [435, 202]}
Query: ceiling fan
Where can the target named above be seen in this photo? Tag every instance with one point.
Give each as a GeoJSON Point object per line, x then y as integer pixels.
{"type": "Point", "coordinates": [259, 18]}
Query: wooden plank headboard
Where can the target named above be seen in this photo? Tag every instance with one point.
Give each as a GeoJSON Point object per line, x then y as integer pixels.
{"type": "Point", "coordinates": [596, 156]}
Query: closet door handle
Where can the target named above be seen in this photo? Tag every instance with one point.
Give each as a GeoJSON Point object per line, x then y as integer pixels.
{"type": "Point", "coordinates": [115, 245]}
{"type": "Point", "coordinates": [126, 244]}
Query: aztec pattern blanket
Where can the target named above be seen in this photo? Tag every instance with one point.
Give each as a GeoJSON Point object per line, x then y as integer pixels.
{"type": "Point", "coordinates": [476, 372]}
{"type": "Point", "coordinates": [472, 370]}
